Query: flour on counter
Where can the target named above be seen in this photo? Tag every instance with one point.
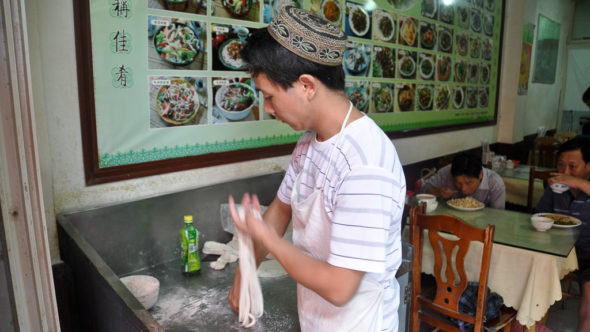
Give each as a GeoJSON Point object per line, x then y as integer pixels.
{"type": "Point", "coordinates": [180, 306]}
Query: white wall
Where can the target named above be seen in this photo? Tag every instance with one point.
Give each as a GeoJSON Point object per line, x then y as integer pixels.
{"type": "Point", "coordinates": [581, 28]}
{"type": "Point", "coordinates": [55, 87]}
{"type": "Point", "coordinates": [540, 107]}
{"type": "Point", "coordinates": [578, 76]}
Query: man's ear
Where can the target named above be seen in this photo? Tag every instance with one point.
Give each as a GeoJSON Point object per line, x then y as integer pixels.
{"type": "Point", "coordinates": [309, 84]}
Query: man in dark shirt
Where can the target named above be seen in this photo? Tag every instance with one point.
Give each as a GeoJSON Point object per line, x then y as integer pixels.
{"type": "Point", "coordinates": [573, 166]}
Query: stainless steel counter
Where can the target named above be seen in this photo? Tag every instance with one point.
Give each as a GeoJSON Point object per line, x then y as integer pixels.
{"type": "Point", "coordinates": [199, 303]}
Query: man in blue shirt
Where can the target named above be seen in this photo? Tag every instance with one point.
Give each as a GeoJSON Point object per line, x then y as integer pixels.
{"type": "Point", "coordinates": [573, 166]}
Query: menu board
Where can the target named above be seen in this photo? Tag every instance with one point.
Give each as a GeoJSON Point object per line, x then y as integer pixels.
{"type": "Point", "coordinates": [168, 80]}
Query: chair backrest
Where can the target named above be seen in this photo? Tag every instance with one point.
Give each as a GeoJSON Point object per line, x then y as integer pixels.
{"type": "Point", "coordinates": [544, 151]}
{"type": "Point", "coordinates": [534, 174]}
{"type": "Point", "coordinates": [449, 269]}
{"type": "Point", "coordinates": [562, 136]}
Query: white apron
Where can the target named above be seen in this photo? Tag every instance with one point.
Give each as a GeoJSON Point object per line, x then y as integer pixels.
{"type": "Point", "coordinates": [311, 232]}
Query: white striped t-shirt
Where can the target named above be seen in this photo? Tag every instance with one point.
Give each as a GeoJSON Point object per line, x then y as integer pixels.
{"type": "Point", "coordinates": [364, 196]}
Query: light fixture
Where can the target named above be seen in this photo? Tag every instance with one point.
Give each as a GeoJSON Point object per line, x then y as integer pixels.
{"type": "Point", "coordinates": [370, 5]}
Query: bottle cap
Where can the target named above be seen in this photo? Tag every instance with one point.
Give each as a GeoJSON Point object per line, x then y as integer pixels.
{"type": "Point", "coordinates": [188, 219]}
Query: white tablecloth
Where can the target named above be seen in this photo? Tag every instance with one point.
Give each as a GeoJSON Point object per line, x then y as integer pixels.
{"type": "Point", "coordinates": [517, 191]}
{"type": "Point", "coordinates": [528, 281]}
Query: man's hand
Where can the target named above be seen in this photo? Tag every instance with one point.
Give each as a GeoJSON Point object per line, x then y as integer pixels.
{"type": "Point", "coordinates": [251, 222]}
{"type": "Point", "coordinates": [234, 293]}
{"type": "Point", "coordinates": [568, 180]}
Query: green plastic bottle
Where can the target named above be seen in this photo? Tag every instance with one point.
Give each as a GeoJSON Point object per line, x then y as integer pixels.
{"type": "Point", "coordinates": [189, 245]}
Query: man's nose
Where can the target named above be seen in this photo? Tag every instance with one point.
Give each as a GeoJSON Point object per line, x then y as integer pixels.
{"type": "Point", "coordinates": [268, 108]}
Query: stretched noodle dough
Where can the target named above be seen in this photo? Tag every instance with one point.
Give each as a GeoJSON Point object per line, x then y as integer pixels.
{"type": "Point", "coordinates": [251, 301]}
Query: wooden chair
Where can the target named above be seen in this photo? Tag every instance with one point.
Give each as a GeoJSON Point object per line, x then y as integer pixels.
{"type": "Point", "coordinates": [452, 281]}
{"type": "Point", "coordinates": [544, 152]}
{"type": "Point", "coordinates": [534, 174]}
{"type": "Point", "coordinates": [562, 136]}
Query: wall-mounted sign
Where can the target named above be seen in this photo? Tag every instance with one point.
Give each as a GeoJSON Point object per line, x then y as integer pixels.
{"type": "Point", "coordinates": [165, 87]}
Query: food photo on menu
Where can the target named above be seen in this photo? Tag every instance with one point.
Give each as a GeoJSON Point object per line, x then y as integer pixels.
{"type": "Point", "coordinates": [484, 94]}
{"type": "Point", "coordinates": [442, 97]}
{"type": "Point", "coordinates": [383, 97]}
{"type": "Point", "coordinates": [427, 35]}
{"type": "Point", "coordinates": [407, 64]}
{"type": "Point", "coordinates": [356, 59]}
{"type": "Point", "coordinates": [458, 97]}
{"type": "Point", "coordinates": [384, 27]}
{"type": "Point", "coordinates": [383, 62]}
{"type": "Point", "coordinates": [405, 97]}
{"type": "Point", "coordinates": [475, 47]}
{"type": "Point", "coordinates": [331, 10]}
{"type": "Point", "coordinates": [408, 31]}
{"type": "Point", "coordinates": [234, 99]}
{"type": "Point", "coordinates": [471, 97]}
{"type": "Point", "coordinates": [463, 17]}
{"type": "Point", "coordinates": [475, 20]}
{"type": "Point", "coordinates": [429, 9]}
{"type": "Point", "coordinates": [460, 71]}
{"type": "Point", "coordinates": [445, 39]}
{"type": "Point", "coordinates": [424, 97]}
{"type": "Point", "coordinates": [273, 7]}
{"type": "Point", "coordinates": [446, 13]}
{"type": "Point", "coordinates": [247, 10]}
{"type": "Point", "coordinates": [227, 42]}
{"type": "Point", "coordinates": [358, 93]}
{"type": "Point", "coordinates": [486, 49]}
{"type": "Point", "coordinates": [177, 101]}
{"type": "Point", "coordinates": [175, 43]}
{"type": "Point", "coordinates": [488, 24]}
{"type": "Point", "coordinates": [443, 67]}
{"type": "Point", "coordinates": [426, 67]}
{"type": "Point", "coordinates": [186, 6]}
{"type": "Point", "coordinates": [357, 21]}
{"type": "Point", "coordinates": [473, 72]}
{"type": "Point", "coordinates": [461, 43]}
{"type": "Point", "coordinates": [484, 76]}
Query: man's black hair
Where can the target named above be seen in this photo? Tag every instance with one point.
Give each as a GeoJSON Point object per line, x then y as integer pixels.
{"type": "Point", "coordinates": [586, 96]}
{"type": "Point", "coordinates": [467, 165]}
{"type": "Point", "coordinates": [264, 54]}
{"type": "Point", "coordinates": [577, 143]}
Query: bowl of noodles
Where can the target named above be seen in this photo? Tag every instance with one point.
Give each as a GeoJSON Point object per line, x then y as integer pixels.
{"type": "Point", "coordinates": [235, 101]}
{"type": "Point", "coordinates": [177, 44]}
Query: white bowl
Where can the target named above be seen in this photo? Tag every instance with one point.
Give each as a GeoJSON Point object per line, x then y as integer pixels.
{"type": "Point", "coordinates": [229, 114]}
{"type": "Point", "coordinates": [430, 206]}
{"type": "Point", "coordinates": [145, 288]}
{"type": "Point", "coordinates": [559, 187]}
{"type": "Point", "coordinates": [426, 197]}
{"type": "Point", "coordinates": [541, 223]}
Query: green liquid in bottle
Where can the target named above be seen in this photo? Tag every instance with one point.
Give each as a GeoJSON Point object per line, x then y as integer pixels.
{"type": "Point", "coordinates": [189, 245]}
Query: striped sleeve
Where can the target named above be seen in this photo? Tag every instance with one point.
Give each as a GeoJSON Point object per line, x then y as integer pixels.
{"type": "Point", "coordinates": [366, 207]}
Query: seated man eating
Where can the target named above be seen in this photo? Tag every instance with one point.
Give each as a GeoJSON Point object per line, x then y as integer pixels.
{"type": "Point", "coordinates": [467, 177]}
{"type": "Point", "coordinates": [573, 170]}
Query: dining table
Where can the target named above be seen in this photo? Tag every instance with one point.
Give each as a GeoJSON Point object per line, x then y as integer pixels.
{"type": "Point", "coordinates": [516, 181]}
{"type": "Point", "coordinates": [526, 265]}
